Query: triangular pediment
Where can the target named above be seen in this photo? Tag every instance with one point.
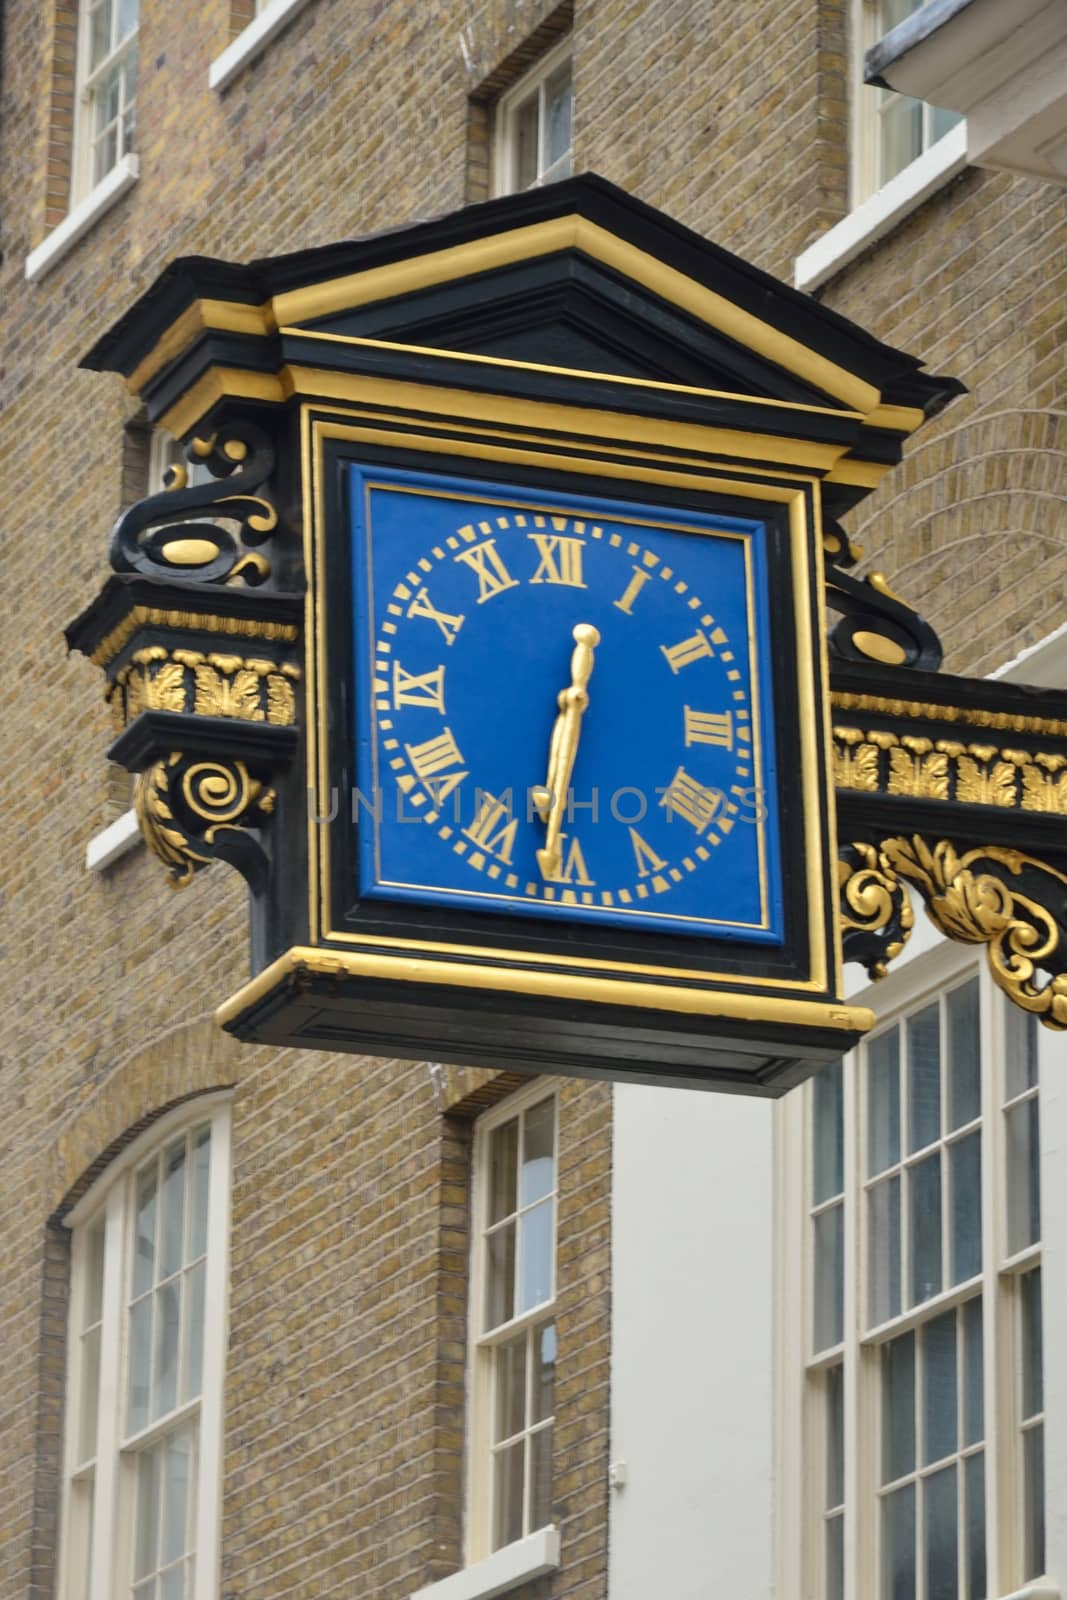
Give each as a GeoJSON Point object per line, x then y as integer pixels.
{"type": "Point", "coordinates": [578, 275]}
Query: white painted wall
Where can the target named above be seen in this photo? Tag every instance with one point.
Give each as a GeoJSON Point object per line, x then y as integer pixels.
{"type": "Point", "coordinates": [692, 1327]}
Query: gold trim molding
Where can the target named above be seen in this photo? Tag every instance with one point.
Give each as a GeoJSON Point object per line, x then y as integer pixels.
{"type": "Point", "coordinates": [931, 711]}
{"type": "Point", "coordinates": [202, 622]}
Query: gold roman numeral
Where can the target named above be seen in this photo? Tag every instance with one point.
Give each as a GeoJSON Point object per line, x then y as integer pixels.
{"type": "Point", "coordinates": [648, 861]}
{"type": "Point", "coordinates": [680, 655]}
{"type": "Point", "coordinates": [485, 562]}
{"type": "Point", "coordinates": [494, 827]}
{"type": "Point", "coordinates": [434, 756]}
{"type": "Point", "coordinates": [633, 589]}
{"type": "Point", "coordinates": [572, 865]}
{"type": "Point", "coordinates": [691, 800]}
{"type": "Point", "coordinates": [419, 688]}
{"type": "Point", "coordinates": [709, 727]}
{"type": "Point", "coordinates": [422, 606]}
{"type": "Point", "coordinates": [561, 559]}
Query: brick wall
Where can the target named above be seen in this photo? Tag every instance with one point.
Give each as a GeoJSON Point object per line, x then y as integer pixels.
{"type": "Point", "coordinates": [344, 1402]}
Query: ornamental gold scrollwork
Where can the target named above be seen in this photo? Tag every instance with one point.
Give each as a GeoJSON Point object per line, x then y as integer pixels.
{"type": "Point", "coordinates": [194, 811]}
{"type": "Point", "coordinates": [875, 911]}
{"type": "Point", "coordinates": [158, 537]}
{"type": "Point", "coordinates": [875, 624]}
{"type": "Point", "coordinates": [1007, 900]}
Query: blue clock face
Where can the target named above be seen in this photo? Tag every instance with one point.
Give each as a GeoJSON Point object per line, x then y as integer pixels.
{"type": "Point", "coordinates": [562, 708]}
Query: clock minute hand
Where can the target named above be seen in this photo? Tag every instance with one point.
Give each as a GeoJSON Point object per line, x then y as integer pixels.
{"type": "Point", "coordinates": [563, 748]}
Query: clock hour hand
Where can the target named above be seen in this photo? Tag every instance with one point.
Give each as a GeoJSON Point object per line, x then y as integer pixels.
{"type": "Point", "coordinates": [550, 798]}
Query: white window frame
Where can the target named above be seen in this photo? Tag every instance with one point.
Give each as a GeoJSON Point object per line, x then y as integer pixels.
{"type": "Point", "coordinates": [111, 1198]}
{"type": "Point", "coordinates": [270, 18]}
{"type": "Point", "coordinates": [86, 84]}
{"type": "Point", "coordinates": [935, 967]}
{"type": "Point", "coordinates": [875, 210]}
{"type": "Point", "coordinates": [504, 117]}
{"type": "Point", "coordinates": [481, 1347]}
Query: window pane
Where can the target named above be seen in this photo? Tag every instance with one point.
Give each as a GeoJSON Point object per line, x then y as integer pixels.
{"type": "Point", "coordinates": [146, 1521]}
{"type": "Point", "coordinates": [924, 1195]}
{"type": "Point", "coordinates": [898, 1407]}
{"type": "Point", "coordinates": [510, 1371]}
{"type": "Point", "coordinates": [538, 1153]}
{"type": "Point", "coordinates": [165, 1365]}
{"type": "Point", "coordinates": [965, 1165]}
{"type": "Point", "coordinates": [172, 1210]}
{"type": "Point", "coordinates": [1022, 1126]}
{"type": "Point", "coordinates": [558, 102]}
{"type": "Point", "coordinates": [90, 1391]}
{"type": "Point", "coordinates": [890, 12]}
{"type": "Point", "coordinates": [829, 1280]}
{"type": "Point", "coordinates": [828, 1133]}
{"type": "Point", "coordinates": [883, 1102]}
{"type": "Point", "coordinates": [941, 122]}
{"type": "Point", "coordinates": [145, 1241]}
{"type": "Point", "coordinates": [193, 1349]}
{"type": "Point", "coordinates": [1020, 1045]}
{"type": "Point", "coordinates": [973, 1364]}
{"type": "Point", "coordinates": [974, 1487]}
{"type": "Point", "coordinates": [536, 1241]}
{"type": "Point", "coordinates": [177, 1473]}
{"type": "Point", "coordinates": [94, 1274]}
{"type": "Point", "coordinates": [1033, 1397]}
{"type": "Point", "coordinates": [884, 1251]}
{"type": "Point", "coordinates": [507, 1494]}
{"type": "Point", "coordinates": [835, 1559]}
{"type": "Point", "coordinates": [835, 1437]}
{"type": "Point", "coordinates": [924, 1078]}
{"type": "Point", "coordinates": [525, 134]}
{"type": "Point", "coordinates": [898, 1544]}
{"type": "Point", "coordinates": [941, 1535]}
{"type": "Point", "coordinates": [964, 1055]}
{"type": "Point", "coordinates": [201, 1176]}
{"type": "Point", "coordinates": [172, 1584]}
{"type": "Point", "coordinates": [541, 1478]}
{"type": "Point", "coordinates": [99, 34]}
{"type": "Point", "coordinates": [503, 1162]}
{"type": "Point", "coordinates": [500, 1276]}
{"type": "Point", "coordinates": [544, 1368]}
{"type": "Point", "coordinates": [939, 1387]}
{"type": "Point", "coordinates": [140, 1364]}
{"type": "Point", "coordinates": [1034, 1510]}
{"type": "Point", "coordinates": [127, 19]}
{"type": "Point", "coordinates": [902, 122]}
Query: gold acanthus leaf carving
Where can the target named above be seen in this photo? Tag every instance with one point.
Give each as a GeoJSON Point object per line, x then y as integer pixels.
{"type": "Point", "coordinates": [1045, 790]}
{"type": "Point", "coordinates": [976, 906]}
{"type": "Point", "coordinates": [855, 762]}
{"type": "Point", "coordinates": [165, 689]}
{"type": "Point", "coordinates": [281, 700]}
{"type": "Point", "coordinates": [916, 768]}
{"type": "Point", "coordinates": [219, 695]}
{"type": "Point", "coordinates": [983, 782]}
{"type": "Point", "coordinates": [166, 840]}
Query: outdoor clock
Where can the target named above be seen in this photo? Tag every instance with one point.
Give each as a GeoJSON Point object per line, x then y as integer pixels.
{"type": "Point", "coordinates": [562, 708]}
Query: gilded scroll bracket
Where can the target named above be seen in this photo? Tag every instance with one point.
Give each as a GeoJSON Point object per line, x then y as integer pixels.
{"type": "Point", "coordinates": [161, 536]}
{"type": "Point", "coordinates": [875, 624]}
{"type": "Point", "coordinates": [193, 811]}
{"type": "Point", "coordinates": [1011, 902]}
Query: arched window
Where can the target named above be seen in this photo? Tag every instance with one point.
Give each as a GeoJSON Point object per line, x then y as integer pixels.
{"type": "Point", "coordinates": [146, 1343]}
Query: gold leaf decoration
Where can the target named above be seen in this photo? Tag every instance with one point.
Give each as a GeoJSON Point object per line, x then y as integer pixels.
{"type": "Point", "coordinates": [1044, 791]}
{"type": "Point", "coordinates": [281, 700]}
{"type": "Point", "coordinates": [922, 771]}
{"type": "Point", "coordinates": [236, 696]}
{"type": "Point", "coordinates": [855, 763]}
{"type": "Point", "coordinates": [165, 691]}
{"type": "Point", "coordinates": [989, 895]}
{"type": "Point", "coordinates": [981, 783]}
